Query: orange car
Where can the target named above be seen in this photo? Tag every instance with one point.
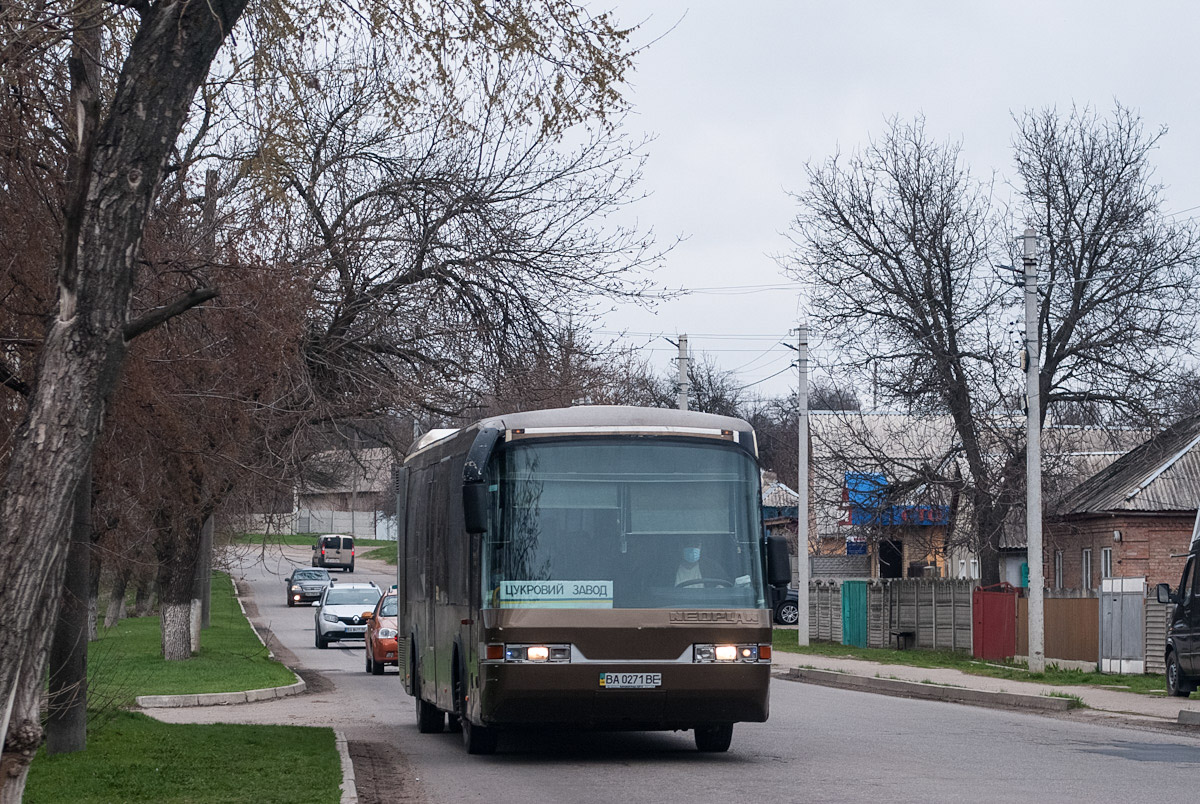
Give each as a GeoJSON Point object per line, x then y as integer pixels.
{"type": "Point", "coordinates": [381, 635]}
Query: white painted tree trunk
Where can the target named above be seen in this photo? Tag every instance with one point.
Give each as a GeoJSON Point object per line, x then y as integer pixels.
{"type": "Point", "coordinates": [195, 620]}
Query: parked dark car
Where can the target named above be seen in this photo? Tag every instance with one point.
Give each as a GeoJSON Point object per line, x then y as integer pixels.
{"type": "Point", "coordinates": [785, 602]}
{"type": "Point", "coordinates": [306, 585]}
{"type": "Point", "coordinates": [1183, 628]}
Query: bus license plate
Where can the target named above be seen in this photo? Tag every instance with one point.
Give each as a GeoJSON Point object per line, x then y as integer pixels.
{"type": "Point", "coordinates": [630, 681]}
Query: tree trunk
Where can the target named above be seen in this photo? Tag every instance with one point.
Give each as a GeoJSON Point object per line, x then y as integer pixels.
{"type": "Point", "coordinates": [989, 525]}
{"type": "Point", "coordinates": [116, 598]}
{"type": "Point", "coordinates": [143, 602]}
{"type": "Point", "coordinates": [84, 345]}
{"type": "Point", "coordinates": [93, 620]}
{"type": "Point", "coordinates": [204, 567]}
{"type": "Point", "coordinates": [177, 549]}
{"type": "Point", "coordinates": [176, 630]}
{"type": "Point", "coordinates": [66, 721]}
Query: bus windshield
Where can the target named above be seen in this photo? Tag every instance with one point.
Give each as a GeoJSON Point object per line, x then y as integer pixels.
{"type": "Point", "coordinates": [624, 523]}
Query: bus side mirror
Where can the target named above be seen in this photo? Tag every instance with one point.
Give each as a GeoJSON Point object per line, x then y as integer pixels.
{"type": "Point", "coordinates": [1164, 593]}
{"type": "Point", "coordinates": [475, 507]}
{"type": "Point", "coordinates": [779, 563]}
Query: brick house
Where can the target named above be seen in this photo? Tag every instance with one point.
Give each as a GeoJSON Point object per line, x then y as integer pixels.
{"type": "Point", "coordinates": [1132, 519]}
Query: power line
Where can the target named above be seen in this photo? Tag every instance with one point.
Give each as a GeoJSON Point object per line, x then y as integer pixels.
{"type": "Point", "coordinates": [770, 377]}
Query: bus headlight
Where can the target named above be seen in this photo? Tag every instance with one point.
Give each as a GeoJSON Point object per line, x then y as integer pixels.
{"type": "Point", "coordinates": [533, 653]}
{"type": "Point", "coordinates": [731, 653]}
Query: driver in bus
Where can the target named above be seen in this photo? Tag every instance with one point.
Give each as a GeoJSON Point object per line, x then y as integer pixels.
{"type": "Point", "coordinates": [695, 566]}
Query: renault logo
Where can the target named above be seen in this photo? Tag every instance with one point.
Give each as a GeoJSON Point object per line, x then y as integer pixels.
{"type": "Point", "coordinates": [356, 619]}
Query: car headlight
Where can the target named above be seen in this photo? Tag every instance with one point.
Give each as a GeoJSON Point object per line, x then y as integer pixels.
{"type": "Point", "coordinates": [329, 618]}
{"type": "Point", "coordinates": [387, 633]}
{"type": "Point", "coordinates": [295, 587]}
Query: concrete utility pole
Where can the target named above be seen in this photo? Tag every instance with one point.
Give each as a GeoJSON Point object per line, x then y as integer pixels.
{"type": "Point", "coordinates": [802, 506]}
{"type": "Point", "coordinates": [684, 387]}
{"type": "Point", "coordinates": [1033, 461]}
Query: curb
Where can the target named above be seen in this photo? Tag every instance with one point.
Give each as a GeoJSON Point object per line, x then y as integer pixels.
{"type": "Point", "coordinates": [225, 698]}
{"type": "Point", "coordinates": [349, 788]}
{"type": "Point", "coordinates": [1189, 717]}
{"type": "Point", "coordinates": [218, 698]}
{"type": "Point", "coordinates": [237, 595]}
{"type": "Point", "coordinates": [930, 692]}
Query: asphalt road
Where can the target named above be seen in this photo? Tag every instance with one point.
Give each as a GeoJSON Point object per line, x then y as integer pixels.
{"type": "Point", "coordinates": [820, 744]}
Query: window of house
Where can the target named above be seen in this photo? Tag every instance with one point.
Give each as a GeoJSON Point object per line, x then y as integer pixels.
{"type": "Point", "coordinates": [1085, 565]}
{"type": "Point", "coordinates": [1106, 563]}
{"type": "Point", "coordinates": [974, 567]}
{"type": "Point", "coordinates": [1058, 566]}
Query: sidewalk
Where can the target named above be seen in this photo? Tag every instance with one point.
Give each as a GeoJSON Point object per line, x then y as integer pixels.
{"type": "Point", "coordinates": [954, 685]}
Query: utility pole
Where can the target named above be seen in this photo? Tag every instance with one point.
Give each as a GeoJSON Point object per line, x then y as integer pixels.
{"type": "Point", "coordinates": [684, 387]}
{"type": "Point", "coordinates": [1033, 461]}
{"type": "Point", "coordinates": [802, 506]}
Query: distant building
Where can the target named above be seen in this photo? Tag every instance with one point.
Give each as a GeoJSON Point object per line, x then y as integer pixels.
{"type": "Point", "coordinates": [348, 492]}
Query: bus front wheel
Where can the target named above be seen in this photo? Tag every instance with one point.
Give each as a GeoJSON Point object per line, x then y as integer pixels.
{"type": "Point", "coordinates": [714, 738]}
{"type": "Point", "coordinates": [478, 739]}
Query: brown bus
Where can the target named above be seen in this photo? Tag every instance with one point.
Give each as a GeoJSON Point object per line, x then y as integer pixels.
{"type": "Point", "coordinates": [586, 567]}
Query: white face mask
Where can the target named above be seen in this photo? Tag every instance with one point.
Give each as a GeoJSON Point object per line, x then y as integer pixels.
{"type": "Point", "coordinates": [691, 554]}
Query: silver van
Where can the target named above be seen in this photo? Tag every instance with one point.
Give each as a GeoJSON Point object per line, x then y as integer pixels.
{"type": "Point", "coordinates": [335, 551]}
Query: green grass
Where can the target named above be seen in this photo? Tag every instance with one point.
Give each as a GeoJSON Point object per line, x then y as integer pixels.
{"type": "Point", "coordinates": [300, 540]}
{"type": "Point", "coordinates": [785, 640]}
{"type": "Point", "coordinates": [1076, 701]}
{"type": "Point", "coordinates": [134, 758]}
{"type": "Point", "coordinates": [387, 554]}
{"type": "Point", "coordinates": [126, 661]}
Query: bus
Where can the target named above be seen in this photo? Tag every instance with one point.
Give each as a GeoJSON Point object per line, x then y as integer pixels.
{"type": "Point", "coordinates": [593, 567]}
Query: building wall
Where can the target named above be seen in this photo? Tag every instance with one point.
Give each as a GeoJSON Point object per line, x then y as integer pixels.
{"type": "Point", "coordinates": [1144, 551]}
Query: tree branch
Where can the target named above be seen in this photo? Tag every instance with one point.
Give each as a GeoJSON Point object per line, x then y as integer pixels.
{"type": "Point", "coordinates": [142, 7]}
{"type": "Point", "coordinates": [160, 315]}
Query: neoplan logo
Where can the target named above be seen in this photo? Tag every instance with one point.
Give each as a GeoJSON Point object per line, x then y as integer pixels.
{"type": "Point", "coordinates": [687, 617]}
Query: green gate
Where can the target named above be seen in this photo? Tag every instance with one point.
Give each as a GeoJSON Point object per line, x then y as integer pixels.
{"type": "Point", "coordinates": [854, 613]}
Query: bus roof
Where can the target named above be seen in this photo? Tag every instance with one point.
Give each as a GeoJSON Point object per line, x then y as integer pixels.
{"type": "Point", "coordinates": [600, 419]}
{"type": "Point", "coordinates": [614, 416]}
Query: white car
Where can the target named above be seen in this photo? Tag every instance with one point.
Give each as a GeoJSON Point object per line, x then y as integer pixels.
{"type": "Point", "coordinates": [340, 612]}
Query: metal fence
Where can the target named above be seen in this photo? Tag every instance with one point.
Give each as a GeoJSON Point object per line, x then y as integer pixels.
{"type": "Point", "coordinates": [1072, 627]}
{"type": "Point", "coordinates": [1158, 617]}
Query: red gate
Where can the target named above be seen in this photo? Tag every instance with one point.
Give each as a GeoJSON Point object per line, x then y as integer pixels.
{"type": "Point", "coordinates": [994, 617]}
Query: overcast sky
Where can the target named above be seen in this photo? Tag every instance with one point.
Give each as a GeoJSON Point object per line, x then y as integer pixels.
{"type": "Point", "coordinates": [740, 95]}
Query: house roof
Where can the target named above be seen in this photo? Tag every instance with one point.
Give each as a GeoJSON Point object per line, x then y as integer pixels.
{"type": "Point", "coordinates": [1163, 474]}
{"type": "Point", "coordinates": [779, 495]}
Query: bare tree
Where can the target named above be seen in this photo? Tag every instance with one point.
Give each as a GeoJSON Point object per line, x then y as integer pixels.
{"type": "Point", "coordinates": [897, 241]}
{"type": "Point", "coordinates": [900, 243]}
{"type": "Point", "coordinates": [1118, 277]}
{"type": "Point", "coordinates": [713, 389]}
{"type": "Point", "coordinates": [440, 257]}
